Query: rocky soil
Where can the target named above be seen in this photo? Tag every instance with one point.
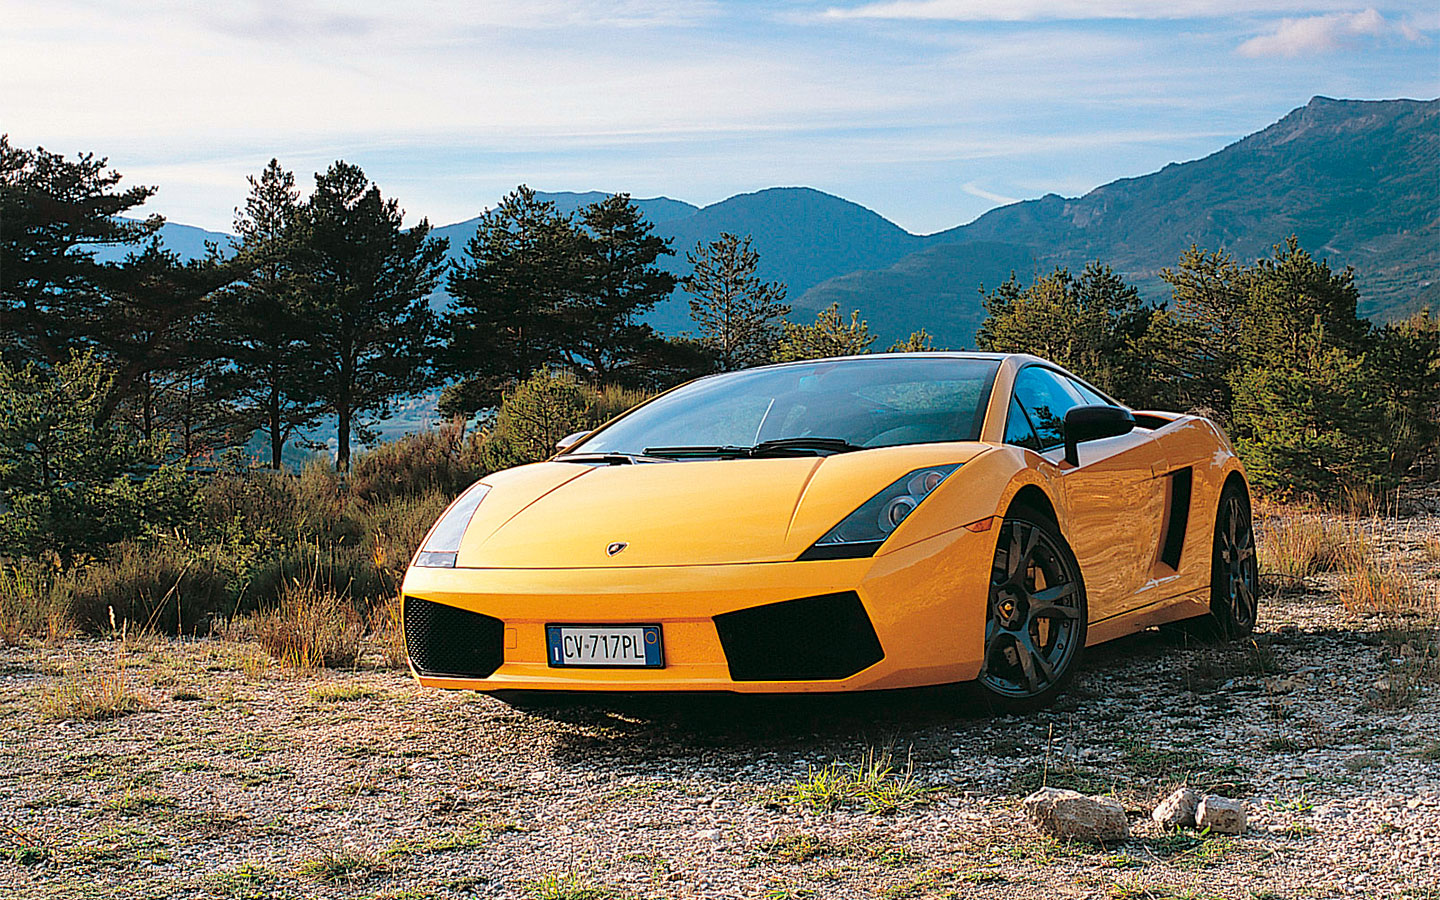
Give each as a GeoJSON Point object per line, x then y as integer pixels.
{"type": "Point", "coordinates": [241, 780]}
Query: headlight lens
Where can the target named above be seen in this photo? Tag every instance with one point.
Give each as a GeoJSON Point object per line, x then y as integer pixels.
{"type": "Point", "coordinates": [862, 532]}
{"type": "Point", "coordinates": [443, 544]}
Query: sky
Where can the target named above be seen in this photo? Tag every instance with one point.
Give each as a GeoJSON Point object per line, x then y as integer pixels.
{"type": "Point", "coordinates": [929, 112]}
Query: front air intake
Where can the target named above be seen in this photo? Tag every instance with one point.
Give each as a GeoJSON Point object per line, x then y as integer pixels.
{"type": "Point", "coordinates": [811, 639]}
{"type": "Point", "coordinates": [447, 640]}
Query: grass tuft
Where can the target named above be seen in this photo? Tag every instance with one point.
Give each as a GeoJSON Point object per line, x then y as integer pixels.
{"type": "Point", "coordinates": [1297, 546]}
{"type": "Point", "coordinates": [347, 692]}
{"type": "Point", "coordinates": [343, 864]}
{"type": "Point", "coordinates": [873, 782]}
{"type": "Point", "coordinates": [310, 627]}
{"type": "Point", "coordinates": [571, 886]}
{"type": "Point", "coordinates": [92, 696]}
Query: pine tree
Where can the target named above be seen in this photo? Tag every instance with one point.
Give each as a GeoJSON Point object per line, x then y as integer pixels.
{"type": "Point", "coordinates": [621, 282]}
{"type": "Point", "coordinates": [263, 329]}
{"type": "Point", "coordinates": [1094, 326]}
{"type": "Point", "coordinates": [54, 212]}
{"type": "Point", "coordinates": [150, 324]}
{"type": "Point", "coordinates": [69, 476]}
{"type": "Point", "coordinates": [1200, 341]}
{"type": "Point", "coordinates": [738, 315]}
{"type": "Point", "coordinates": [367, 282]}
{"type": "Point", "coordinates": [514, 299]}
{"type": "Point", "coordinates": [828, 335]}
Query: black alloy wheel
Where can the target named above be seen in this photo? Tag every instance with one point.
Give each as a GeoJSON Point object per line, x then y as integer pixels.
{"type": "Point", "coordinates": [1234, 574]}
{"type": "Point", "coordinates": [1036, 615]}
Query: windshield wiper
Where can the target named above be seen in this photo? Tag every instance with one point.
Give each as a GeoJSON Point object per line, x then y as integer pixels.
{"type": "Point", "coordinates": [797, 445]}
{"type": "Point", "coordinates": [608, 458]}
{"type": "Point", "coordinates": [790, 446]}
{"type": "Point", "coordinates": [697, 450]}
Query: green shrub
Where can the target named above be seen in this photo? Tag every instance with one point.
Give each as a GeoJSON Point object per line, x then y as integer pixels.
{"type": "Point", "coordinates": [545, 408]}
{"type": "Point", "coordinates": [170, 585]}
{"type": "Point", "coordinates": [442, 460]}
{"type": "Point", "coordinates": [72, 479]}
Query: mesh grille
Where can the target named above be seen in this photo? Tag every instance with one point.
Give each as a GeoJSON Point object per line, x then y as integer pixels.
{"type": "Point", "coordinates": [447, 640]}
{"type": "Point", "coordinates": [811, 639]}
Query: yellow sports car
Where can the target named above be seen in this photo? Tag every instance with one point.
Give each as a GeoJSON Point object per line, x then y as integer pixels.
{"type": "Point", "coordinates": [859, 523]}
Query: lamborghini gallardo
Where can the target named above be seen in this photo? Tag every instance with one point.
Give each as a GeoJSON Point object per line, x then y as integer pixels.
{"type": "Point", "coordinates": [859, 523]}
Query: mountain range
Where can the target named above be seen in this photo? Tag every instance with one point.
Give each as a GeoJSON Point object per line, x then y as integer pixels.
{"type": "Point", "coordinates": [1358, 182]}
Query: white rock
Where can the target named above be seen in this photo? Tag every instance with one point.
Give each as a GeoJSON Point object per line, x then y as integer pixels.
{"type": "Point", "coordinates": [1071, 815]}
{"type": "Point", "coordinates": [1178, 809]}
{"type": "Point", "coordinates": [1221, 815]}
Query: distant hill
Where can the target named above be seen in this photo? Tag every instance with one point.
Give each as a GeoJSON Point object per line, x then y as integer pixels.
{"type": "Point", "coordinates": [1357, 181]}
{"type": "Point", "coordinates": [186, 240]}
{"type": "Point", "coordinates": [804, 237]}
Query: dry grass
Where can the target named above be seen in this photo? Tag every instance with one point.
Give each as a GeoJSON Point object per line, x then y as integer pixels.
{"type": "Point", "coordinates": [29, 607]}
{"type": "Point", "coordinates": [310, 627]}
{"type": "Point", "coordinates": [93, 695]}
{"type": "Point", "coordinates": [387, 623]}
{"type": "Point", "coordinates": [1430, 549]}
{"type": "Point", "coordinates": [1297, 545]}
{"type": "Point", "coordinates": [1374, 587]}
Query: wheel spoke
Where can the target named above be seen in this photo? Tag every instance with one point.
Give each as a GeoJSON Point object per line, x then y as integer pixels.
{"type": "Point", "coordinates": [1025, 646]}
{"type": "Point", "coordinates": [1046, 604]}
{"type": "Point", "coordinates": [1027, 664]}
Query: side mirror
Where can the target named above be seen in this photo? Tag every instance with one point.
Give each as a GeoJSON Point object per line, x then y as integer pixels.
{"type": "Point", "coordinates": [569, 441]}
{"type": "Point", "coordinates": [1091, 423]}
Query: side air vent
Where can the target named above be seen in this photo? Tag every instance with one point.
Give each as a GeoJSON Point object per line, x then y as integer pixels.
{"type": "Point", "coordinates": [811, 639]}
{"type": "Point", "coordinates": [447, 640]}
{"type": "Point", "coordinates": [1174, 541]}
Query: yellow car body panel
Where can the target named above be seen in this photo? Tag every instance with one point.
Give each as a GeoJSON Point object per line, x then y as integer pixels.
{"type": "Point", "coordinates": [704, 538]}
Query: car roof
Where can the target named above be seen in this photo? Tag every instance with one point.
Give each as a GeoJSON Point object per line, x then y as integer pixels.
{"type": "Point", "coordinates": [924, 354]}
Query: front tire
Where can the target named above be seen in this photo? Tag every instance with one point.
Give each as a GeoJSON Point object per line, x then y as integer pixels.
{"type": "Point", "coordinates": [1036, 616]}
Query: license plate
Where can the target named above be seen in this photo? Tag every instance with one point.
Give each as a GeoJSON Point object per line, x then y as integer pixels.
{"type": "Point", "coordinates": [602, 646]}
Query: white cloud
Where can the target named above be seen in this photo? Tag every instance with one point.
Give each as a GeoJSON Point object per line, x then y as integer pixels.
{"type": "Point", "coordinates": [1041, 10]}
{"type": "Point", "coordinates": [976, 190]}
{"type": "Point", "coordinates": [1325, 34]}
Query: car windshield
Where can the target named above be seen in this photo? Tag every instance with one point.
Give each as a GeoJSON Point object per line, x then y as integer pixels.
{"type": "Point", "coordinates": [841, 404]}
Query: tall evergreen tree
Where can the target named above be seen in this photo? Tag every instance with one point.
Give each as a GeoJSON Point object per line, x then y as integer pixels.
{"type": "Point", "coordinates": [263, 329]}
{"type": "Point", "coordinates": [149, 324]}
{"type": "Point", "coordinates": [367, 282]}
{"type": "Point", "coordinates": [1199, 343]}
{"type": "Point", "coordinates": [1092, 325]}
{"type": "Point", "coordinates": [512, 290]}
{"type": "Point", "coordinates": [53, 213]}
{"type": "Point", "coordinates": [738, 314]}
{"type": "Point", "coordinates": [621, 282]}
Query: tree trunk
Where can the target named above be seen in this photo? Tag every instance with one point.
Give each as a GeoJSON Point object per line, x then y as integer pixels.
{"type": "Point", "coordinates": [342, 434]}
{"type": "Point", "coordinates": [277, 437]}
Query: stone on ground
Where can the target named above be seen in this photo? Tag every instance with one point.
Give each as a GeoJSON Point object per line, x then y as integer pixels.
{"type": "Point", "coordinates": [1178, 809]}
{"type": "Point", "coordinates": [1070, 815]}
{"type": "Point", "coordinates": [1221, 815]}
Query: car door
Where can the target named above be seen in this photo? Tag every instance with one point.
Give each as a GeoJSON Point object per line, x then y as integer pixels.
{"type": "Point", "coordinates": [1113, 509]}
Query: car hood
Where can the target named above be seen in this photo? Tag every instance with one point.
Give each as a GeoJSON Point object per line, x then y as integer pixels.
{"type": "Point", "coordinates": [697, 512]}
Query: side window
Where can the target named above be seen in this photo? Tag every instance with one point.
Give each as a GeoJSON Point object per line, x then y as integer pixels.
{"type": "Point", "coordinates": [1047, 397]}
{"type": "Point", "coordinates": [1018, 430]}
{"type": "Point", "coordinates": [1091, 398]}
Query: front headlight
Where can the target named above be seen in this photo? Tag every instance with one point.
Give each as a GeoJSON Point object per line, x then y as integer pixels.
{"type": "Point", "coordinates": [862, 532]}
{"type": "Point", "coordinates": [443, 544]}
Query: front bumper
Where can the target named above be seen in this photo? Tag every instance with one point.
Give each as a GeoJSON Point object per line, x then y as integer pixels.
{"type": "Point", "coordinates": [926, 603]}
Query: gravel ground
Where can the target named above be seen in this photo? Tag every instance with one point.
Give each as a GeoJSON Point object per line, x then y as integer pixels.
{"type": "Point", "coordinates": [240, 780]}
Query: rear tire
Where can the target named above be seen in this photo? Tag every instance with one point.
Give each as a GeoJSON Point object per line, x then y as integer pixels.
{"type": "Point", "coordinates": [1234, 574]}
{"type": "Point", "coordinates": [1036, 615]}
